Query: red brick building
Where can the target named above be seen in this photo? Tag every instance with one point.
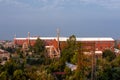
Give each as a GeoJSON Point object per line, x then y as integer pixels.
{"type": "Point", "coordinates": [51, 43]}
{"type": "Point", "coordinates": [99, 44]}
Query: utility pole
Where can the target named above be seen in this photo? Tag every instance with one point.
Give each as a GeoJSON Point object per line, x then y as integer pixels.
{"type": "Point", "coordinates": [93, 63]}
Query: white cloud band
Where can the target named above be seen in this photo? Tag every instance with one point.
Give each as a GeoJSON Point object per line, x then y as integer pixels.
{"type": "Point", "coordinates": [57, 3]}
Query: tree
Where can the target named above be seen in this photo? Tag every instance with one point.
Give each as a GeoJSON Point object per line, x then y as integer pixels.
{"type": "Point", "coordinates": [19, 75]}
{"type": "Point", "coordinates": [43, 75]}
{"type": "Point", "coordinates": [39, 56]}
{"type": "Point", "coordinates": [69, 51]}
{"type": "Point", "coordinates": [109, 55]}
{"type": "Point", "coordinates": [71, 41]}
{"type": "Point", "coordinates": [73, 53]}
{"type": "Point", "coordinates": [39, 46]}
{"type": "Point", "coordinates": [3, 75]}
{"type": "Point", "coordinates": [107, 69]}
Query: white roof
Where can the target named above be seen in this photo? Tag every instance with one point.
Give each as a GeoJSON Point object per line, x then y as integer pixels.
{"type": "Point", "coordinates": [65, 38]}
{"type": "Point", "coordinates": [20, 38]}
{"type": "Point", "coordinates": [44, 38]}
{"type": "Point", "coordinates": [95, 39]}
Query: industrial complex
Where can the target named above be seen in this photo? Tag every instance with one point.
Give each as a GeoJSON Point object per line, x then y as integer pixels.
{"type": "Point", "coordinates": [55, 44]}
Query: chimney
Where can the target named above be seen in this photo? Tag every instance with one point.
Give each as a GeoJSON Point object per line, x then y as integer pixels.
{"type": "Point", "coordinates": [58, 42]}
{"type": "Point", "coordinates": [14, 39]}
{"type": "Point", "coordinates": [28, 38]}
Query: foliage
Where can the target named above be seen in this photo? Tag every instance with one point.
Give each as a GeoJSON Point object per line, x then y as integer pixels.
{"type": "Point", "coordinates": [109, 55]}
{"type": "Point", "coordinates": [74, 59]}
{"type": "Point", "coordinates": [38, 53]}
{"type": "Point", "coordinates": [108, 70]}
{"type": "Point", "coordinates": [10, 49]}
{"type": "Point", "coordinates": [3, 75]}
{"type": "Point", "coordinates": [44, 76]}
{"type": "Point", "coordinates": [39, 46]}
{"type": "Point", "coordinates": [35, 61]}
{"type": "Point", "coordinates": [69, 51]}
{"type": "Point", "coordinates": [73, 53]}
{"type": "Point", "coordinates": [8, 69]}
{"type": "Point", "coordinates": [83, 64]}
{"type": "Point", "coordinates": [72, 41]}
{"type": "Point", "coordinates": [38, 67]}
{"type": "Point", "coordinates": [19, 75]}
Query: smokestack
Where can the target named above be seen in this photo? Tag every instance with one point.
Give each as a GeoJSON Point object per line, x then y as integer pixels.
{"type": "Point", "coordinates": [14, 40]}
{"type": "Point", "coordinates": [58, 35]}
{"type": "Point", "coordinates": [28, 38]}
{"type": "Point", "coordinates": [15, 36]}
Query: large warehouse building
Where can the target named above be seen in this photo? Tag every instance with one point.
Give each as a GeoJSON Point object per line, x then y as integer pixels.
{"type": "Point", "coordinates": [53, 44]}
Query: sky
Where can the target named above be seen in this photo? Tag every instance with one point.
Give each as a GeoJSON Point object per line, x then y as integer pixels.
{"type": "Point", "coordinates": [83, 18]}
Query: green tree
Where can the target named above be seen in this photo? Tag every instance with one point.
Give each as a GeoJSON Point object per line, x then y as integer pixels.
{"type": "Point", "coordinates": [108, 55]}
{"type": "Point", "coordinates": [74, 59]}
{"type": "Point", "coordinates": [72, 41]}
{"type": "Point", "coordinates": [3, 75]}
{"type": "Point", "coordinates": [116, 62]}
{"type": "Point", "coordinates": [19, 75]}
{"type": "Point", "coordinates": [43, 75]}
{"type": "Point", "coordinates": [11, 66]}
{"type": "Point", "coordinates": [108, 70]}
{"type": "Point", "coordinates": [73, 53]}
{"type": "Point", "coordinates": [39, 55]}
{"type": "Point", "coordinates": [69, 51]}
{"type": "Point", "coordinates": [39, 46]}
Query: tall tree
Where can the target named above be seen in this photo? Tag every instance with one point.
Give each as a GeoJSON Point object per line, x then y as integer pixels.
{"type": "Point", "coordinates": [71, 41]}
{"type": "Point", "coordinates": [69, 51]}
{"type": "Point", "coordinates": [39, 56]}
{"type": "Point", "coordinates": [39, 46]}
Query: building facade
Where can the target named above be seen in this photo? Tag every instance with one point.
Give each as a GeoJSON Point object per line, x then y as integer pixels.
{"type": "Point", "coordinates": [53, 44]}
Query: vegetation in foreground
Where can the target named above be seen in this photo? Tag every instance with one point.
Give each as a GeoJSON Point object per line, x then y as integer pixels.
{"type": "Point", "coordinates": [34, 64]}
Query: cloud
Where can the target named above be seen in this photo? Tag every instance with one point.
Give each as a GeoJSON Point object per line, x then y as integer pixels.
{"type": "Point", "coordinates": [104, 3]}
{"type": "Point", "coordinates": [14, 3]}
{"type": "Point", "coordinates": [41, 4]}
{"type": "Point", "coordinates": [62, 3]}
{"type": "Point", "coordinates": [52, 4]}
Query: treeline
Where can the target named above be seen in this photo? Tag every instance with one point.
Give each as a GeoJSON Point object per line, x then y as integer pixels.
{"type": "Point", "coordinates": [35, 65]}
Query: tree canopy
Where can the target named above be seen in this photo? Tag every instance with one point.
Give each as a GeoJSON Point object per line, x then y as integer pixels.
{"type": "Point", "coordinates": [39, 46]}
{"type": "Point", "coordinates": [109, 55]}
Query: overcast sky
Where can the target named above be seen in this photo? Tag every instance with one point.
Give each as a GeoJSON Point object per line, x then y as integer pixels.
{"type": "Point", "coordinates": [83, 18]}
